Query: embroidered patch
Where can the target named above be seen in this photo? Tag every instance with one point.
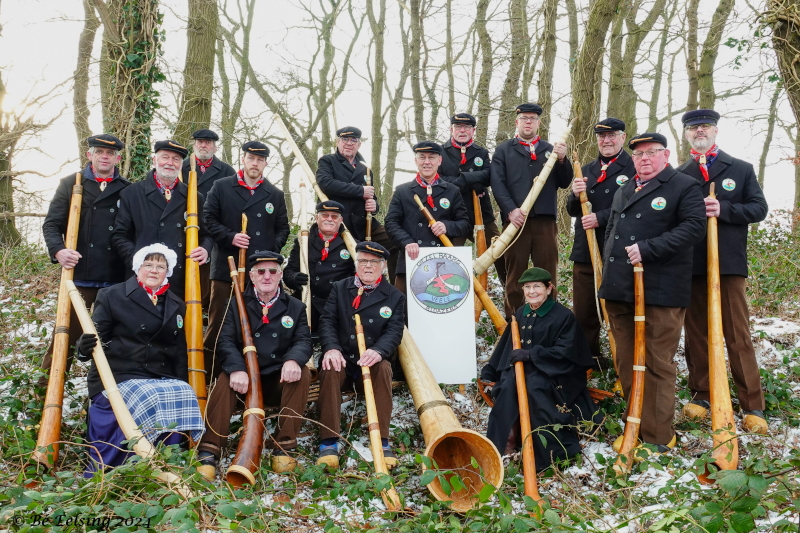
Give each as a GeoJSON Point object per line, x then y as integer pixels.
{"type": "Point", "coordinates": [386, 312]}
{"type": "Point", "coordinates": [659, 203]}
{"type": "Point", "coordinates": [547, 155]}
{"type": "Point", "coordinates": [728, 184]}
{"type": "Point", "coordinates": [117, 204]}
{"type": "Point", "coordinates": [269, 207]}
{"type": "Point", "coordinates": [185, 215]}
{"type": "Point", "coordinates": [344, 254]}
{"type": "Point", "coordinates": [287, 321]}
{"type": "Point", "coordinates": [180, 321]}
{"type": "Point", "coordinates": [622, 179]}
{"type": "Point", "coordinates": [445, 203]}
{"type": "Point", "coordinates": [478, 161]}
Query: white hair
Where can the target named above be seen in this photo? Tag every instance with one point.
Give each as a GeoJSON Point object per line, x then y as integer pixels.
{"type": "Point", "coordinates": [158, 248]}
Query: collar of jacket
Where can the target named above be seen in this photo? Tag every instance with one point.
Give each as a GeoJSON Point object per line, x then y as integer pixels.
{"type": "Point", "coordinates": [543, 309]}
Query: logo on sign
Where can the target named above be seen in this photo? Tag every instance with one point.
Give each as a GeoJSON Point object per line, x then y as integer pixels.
{"type": "Point", "coordinates": [269, 207]}
{"type": "Point", "coordinates": [728, 184]}
{"type": "Point", "coordinates": [287, 321]}
{"type": "Point", "coordinates": [622, 179]}
{"type": "Point", "coordinates": [659, 203]}
{"type": "Point", "coordinates": [440, 283]}
{"type": "Point", "coordinates": [386, 312]}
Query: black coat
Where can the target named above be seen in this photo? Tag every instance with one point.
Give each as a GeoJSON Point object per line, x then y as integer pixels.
{"type": "Point", "coordinates": [743, 204]}
{"type": "Point", "coordinates": [285, 337]}
{"type": "Point", "coordinates": [513, 172]}
{"type": "Point", "coordinates": [267, 221]}
{"type": "Point", "coordinates": [140, 340]}
{"type": "Point", "coordinates": [601, 196]}
{"type": "Point", "coordinates": [665, 237]}
{"type": "Point", "coordinates": [98, 217]}
{"type": "Point", "coordinates": [555, 378]}
{"type": "Point", "coordinates": [145, 217]}
{"type": "Point", "coordinates": [469, 177]}
{"type": "Point", "coordinates": [205, 180]}
{"type": "Point", "coordinates": [406, 224]}
{"type": "Point", "coordinates": [382, 315]}
{"type": "Point", "coordinates": [344, 183]}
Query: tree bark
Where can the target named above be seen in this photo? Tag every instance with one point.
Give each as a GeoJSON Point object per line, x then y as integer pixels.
{"type": "Point", "coordinates": [487, 68]}
{"type": "Point", "coordinates": [784, 18]}
{"type": "Point", "coordinates": [519, 47]}
{"type": "Point", "coordinates": [658, 73]}
{"type": "Point", "coordinates": [416, 70]}
{"type": "Point", "coordinates": [81, 79]}
{"type": "Point", "coordinates": [772, 118]}
{"type": "Point", "coordinates": [378, 26]}
{"type": "Point", "coordinates": [448, 43]}
{"type": "Point", "coordinates": [708, 56]}
{"type": "Point", "coordinates": [545, 85]}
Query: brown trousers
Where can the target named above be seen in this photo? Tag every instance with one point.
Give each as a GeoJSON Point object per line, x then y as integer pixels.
{"type": "Point", "coordinates": [491, 231]}
{"type": "Point", "coordinates": [585, 305]}
{"type": "Point", "coordinates": [663, 333]}
{"type": "Point", "coordinates": [736, 329]}
{"type": "Point", "coordinates": [205, 283]}
{"type": "Point", "coordinates": [331, 386]}
{"type": "Point", "coordinates": [221, 296]}
{"type": "Point", "coordinates": [538, 242]}
{"type": "Point", "coordinates": [223, 401]}
{"type": "Point", "coordinates": [89, 294]}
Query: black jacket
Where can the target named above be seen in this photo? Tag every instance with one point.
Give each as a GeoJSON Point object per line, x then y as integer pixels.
{"type": "Point", "coordinates": [345, 184]}
{"type": "Point", "coordinates": [666, 219]}
{"type": "Point", "coordinates": [267, 221]}
{"type": "Point", "coordinates": [140, 340]}
{"type": "Point", "coordinates": [205, 180]}
{"type": "Point", "coordinates": [145, 217]}
{"type": "Point", "coordinates": [474, 175]}
{"type": "Point", "coordinates": [285, 337]}
{"type": "Point", "coordinates": [382, 316]}
{"type": "Point", "coordinates": [741, 202]}
{"type": "Point", "coordinates": [98, 217]}
{"type": "Point", "coordinates": [600, 195]}
{"type": "Point", "coordinates": [513, 172]}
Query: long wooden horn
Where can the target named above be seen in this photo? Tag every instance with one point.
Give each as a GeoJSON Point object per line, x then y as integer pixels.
{"type": "Point", "coordinates": [480, 248]}
{"type": "Point", "coordinates": [368, 181]}
{"type": "Point", "coordinates": [498, 320]}
{"type": "Point", "coordinates": [129, 428]}
{"type": "Point", "coordinates": [306, 293]}
{"type": "Point", "coordinates": [194, 304]}
{"type": "Point", "coordinates": [242, 257]}
{"type": "Point", "coordinates": [723, 426]}
{"type": "Point", "coordinates": [47, 443]}
{"type": "Point", "coordinates": [390, 497]}
{"type": "Point", "coordinates": [251, 443]}
{"type": "Point", "coordinates": [499, 245]}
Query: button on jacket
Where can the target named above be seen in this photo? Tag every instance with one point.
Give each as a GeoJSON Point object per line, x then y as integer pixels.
{"type": "Point", "coordinates": [205, 180]}
{"type": "Point", "coordinates": [474, 175]}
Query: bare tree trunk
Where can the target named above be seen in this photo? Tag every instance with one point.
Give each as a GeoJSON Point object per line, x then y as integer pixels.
{"type": "Point", "coordinates": [378, 26]}
{"type": "Point", "coordinates": [784, 17]}
{"type": "Point", "coordinates": [9, 236]}
{"type": "Point", "coordinates": [692, 67]}
{"type": "Point", "coordinates": [708, 57]}
{"type": "Point", "coordinates": [518, 48]}
{"type": "Point", "coordinates": [234, 110]}
{"type": "Point", "coordinates": [574, 48]}
{"type": "Point", "coordinates": [482, 92]}
{"type": "Point", "coordinates": [771, 119]}
{"type": "Point", "coordinates": [416, 70]}
{"type": "Point", "coordinates": [81, 78]}
{"type": "Point", "coordinates": [448, 43]}
{"type": "Point", "coordinates": [545, 86]}
{"type": "Point", "coordinates": [658, 73]}
{"type": "Point", "coordinates": [225, 101]}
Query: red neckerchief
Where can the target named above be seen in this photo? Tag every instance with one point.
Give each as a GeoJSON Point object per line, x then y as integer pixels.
{"type": "Point", "coordinates": [154, 295]}
{"type": "Point", "coordinates": [603, 167]}
{"type": "Point", "coordinates": [246, 186]}
{"type": "Point", "coordinates": [265, 306]}
{"type": "Point", "coordinates": [204, 164]}
{"type": "Point", "coordinates": [462, 148]}
{"type": "Point", "coordinates": [165, 190]}
{"type": "Point", "coordinates": [327, 244]}
{"type": "Point", "coordinates": [428, 186]}
{"type": "Point", "coordinates": [102, 181]}
{"type": "Point", "coordinates": [530, 146]}
{"type": "Point", "coordinates": [705, 159]}
{"type": "Point", "coordinates": [362, 289]}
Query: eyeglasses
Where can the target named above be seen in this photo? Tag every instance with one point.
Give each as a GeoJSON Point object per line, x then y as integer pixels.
{"type": "Point", "coordinates": [263, 271]}
{"type": "Point", "coordinates": [331, 216]}
{"type": "Point", "coordinates": [462, 127]}
{"type": "Point", "coordinates": [648, 153]}
{"type": "Point", "coordinates": [695, 127]}
{"type": "Point", "coordinates": [350, 140]}
{"type": "Point", "coordinates": [528, 119]}
{"type": "Point", "coordinates": [536, 286]}
{"type": "Point", "coordinates": [607, 136]}
{"type": "Point", "coordinates": [369, 262]}
{"type": "Point", "coordinates": [158, 267]}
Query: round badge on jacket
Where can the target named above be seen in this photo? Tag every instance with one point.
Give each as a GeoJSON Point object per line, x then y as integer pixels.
{"type": "Point", "coordinates": [117, 204]}
{"type": "Point", "coordinates": [622, 179]}
{"type": "Point", "coordinates": [269, 207]}
{"type": "Point", "coordinates": [287, 321]}
{"type": "Point", "coordinates": [344, 254]}
{"type": "Point", "coordinates": [445, 203]}
{"type": "Point", "coordinates": [386, 311]}
{"type": "Point", "coordinates": [659, 203]}
{"type": "Point", "coordinates": [478, 161]}
{"type": "Point", "coordinates": [180, 321]}
{"type": "Point", "coordinates": [728, 184]}
{"type": "Point", "coordinates": [547, 155]}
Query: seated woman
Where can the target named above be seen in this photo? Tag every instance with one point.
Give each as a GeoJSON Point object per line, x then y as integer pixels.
{"type": "Point", "coordinates": [140, 324]}
{"type": "Point", "coordinates": [556, 356]}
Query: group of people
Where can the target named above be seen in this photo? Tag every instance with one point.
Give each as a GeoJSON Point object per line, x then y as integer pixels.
{"type": "Point", "coordinates": [644, 211]}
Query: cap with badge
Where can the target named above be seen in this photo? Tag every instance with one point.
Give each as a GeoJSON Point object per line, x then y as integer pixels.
{"type": "Point", "coordinates": [463, 118]}
{"type": "Point", "coordinates": [348, 132]}
{"type": "Point", "coordinates": [529, 108]}
{"type": "Point", "coordinates": [329, 206]}
{"type": "Point", "coordinates": [648, 137]}
{"type": "Point", "coordinates": [256, 148]}
{"type": "Point", "coordinates": [373, 248]}
{"type": "Point", "coordinates": [427, 146]}
{"type": "Point", "coordinates": [700, 116]}
{"type": "Point", "coordinates": [104, 140]}
{"type": "Point", "coordinates": [171, 146]}
{"type": "Point", "coordinates": [206, 135]}
{"type": "Point", "coordinates": [609, 124]}
{"type": "Point", "coordinates": [265, 256]}
{"type": "Point", "coordinates": [535, 274]}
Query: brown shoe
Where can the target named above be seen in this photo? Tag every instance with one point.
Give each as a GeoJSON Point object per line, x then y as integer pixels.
{"type": "Point", "coordinates": [283, 463]}
{"type": "Point", "coordinates": [697, 410]}
{"type": "Point", "coordinates": [208, 466]}
{"type": "Point", "coordinates": [755, 422]}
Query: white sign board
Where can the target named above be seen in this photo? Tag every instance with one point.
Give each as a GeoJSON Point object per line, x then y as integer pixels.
{"type": "Point", "coordinates": [441, 311]}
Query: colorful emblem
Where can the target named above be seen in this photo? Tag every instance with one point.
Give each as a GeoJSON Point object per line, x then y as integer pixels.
{"type": "Point", "coordinates": [287, 322]}
{"type": "Point", "coordinates": [445, 203]}
{"type": "Point", "coordinates": [269, 207]}
{"type": "Point", "coordinates": [659, 203]}
{"type": "Point", "coordinates": [386, 312]}
{"type": "Point", "coordinates": [117, 204]}
{"type": "Point", "coordinates": [180, 321]}
{"type": "Point", "coordinates": [547, 155]}
{"type": "Point", "coordinates": [478, 161]}
{"type": "Point", "coordinates": [728, 184]}
{"type": "Point", "coordinates": [440, 283]}
{"type": "Point", "coordinates": [344, 254]}
{"type": "Point", "coordinates": [622, 179]}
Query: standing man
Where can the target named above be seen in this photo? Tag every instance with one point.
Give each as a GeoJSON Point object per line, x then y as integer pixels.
{"type": "Point", "coordinates": [94, 262]}
{"type": "Point", "coordinates": [153, 211]}
{"type": "Point", "coordinates": [612, 169]}
{"type": "Point", "coordinates": [739, 202]}
{"type": "Point", "coordinates": [516, 163]}
{"type": "Point", "coordinates": [247, 192]}
{"type": "Point", "coordinates": [656, 217]}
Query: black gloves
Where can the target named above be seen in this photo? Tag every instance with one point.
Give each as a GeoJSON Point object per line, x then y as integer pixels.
{"type": "Point", "coordinates": [520, 355]}
{"type": "Point", "coordinates": [86, 344]}
{"type": "Point", "coordinates": [301, 279]}
{"type": "Point", "coordinates": [479, 188]}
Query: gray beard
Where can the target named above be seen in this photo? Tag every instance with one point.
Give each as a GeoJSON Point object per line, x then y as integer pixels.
{"type": "Point", "coordinates": [701, 145]}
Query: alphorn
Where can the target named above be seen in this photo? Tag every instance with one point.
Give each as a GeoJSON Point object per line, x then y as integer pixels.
{"type": "Point", "coordinates": [306, 293]}
{"type": "Point", "coordinates": [368, 181]}
{"type": "Point", "coordinates": [633, 421]}
{"type": "Point", "coordinates": [498, 320]}
{"type": "Point", "coordinates": [242, 257]}
{"type": "Point", "coordinates": [194, 304]}
{"type": "Point", "coordinates": [127, 424]}
{"type": "Point", "coordinates": [480, 248]}
{"type": "Point", "coordinates": [723, 426]}
{"type": "Point", "coordinates": [47, 444]}
{"type": "Point", "coordinates": [499, 245]}
{"type": "Point", "coordinates": [251, 443]}
{"type": "Point", "coordinates": [390, 497]}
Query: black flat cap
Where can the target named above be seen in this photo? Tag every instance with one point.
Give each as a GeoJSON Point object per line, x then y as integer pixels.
{"type": "Point", "coordinates": [648, 137]}
{"type": "Point", "coordinates": [373, 248]}
{"type": "Point", "coordinates": [463, 118]}
{"type": "Point", "coordinates": [350, 132]}
{"type": "Point", "coordinates": [170, 145]}
{"type": "Point", "coordinates": [609, 124]}
{"type": "Point", "coordinates": [265, 255]}
{"type": "Point", "coordinates": [529, 108]}
{"type": "Point", "coordinates": [428, 146]}
{"type": "Point", "coordinates": [205, 134]}
{"type": "Point", "coordinates": [104, 140]}
{"type": "Point", "coordinates": [700, 116]}
{"type": "Point", "coordinates": [329, 206]}
{"type": "Point", "coordinates": [256, 148]}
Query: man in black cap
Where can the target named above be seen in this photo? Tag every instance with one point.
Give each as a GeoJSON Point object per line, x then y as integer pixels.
{"type": "Point", "coordinates": [405, 223]}
{"type": "Point", "coordinates": [739, 202]}
{"type": "Point", "coordinates": [612, 169]}
{"type": "Point", "coordinates": [283, 345]}
{"type": "Point", "coordinates": [328, 259]}
{"type": "Point", "coordinates": [656, 217]}
{"type": "Point", "coordinates": [467, 166]}
{"type": "Point", "coordinates": [381, 308]}
{"type": "Point", "coordinates": [153, 211]}
{"type": "Point", "coordinates": [516, 163]}
{"type": "Point", "coordinates": [248, 192]}
{"type": "Point", "coordinates": [94, 262]}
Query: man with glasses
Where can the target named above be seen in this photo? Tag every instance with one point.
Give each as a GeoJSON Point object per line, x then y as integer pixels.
{"type": "Point", "coordinates": [381, 308]}
{"type": "Point", "coordinates": [656, 217]}
{"type": "Point", "coordinates": [283, 345]}
{"type": "Point", "coordinates": [739, 203]}
{"type": "Point", "coordinates": [612, 169]}
{"type": "Point", "coordinates": [515, 164]}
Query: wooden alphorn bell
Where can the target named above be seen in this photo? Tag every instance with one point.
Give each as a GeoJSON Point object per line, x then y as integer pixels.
{"type": "Point", "coordinates": [498, 320]}
{"type": "Point", "coordinates": [47, 443]}
{"type": "Point", "coordinates": [390, 497]}
{"type": "Point", "coordinates": [368, 181]}
{"type": "Point", "coordinates": [480, 248]}
{"type": "Point", "coordinates": [723, 426]}
{"type": "Point", "coordinates": [251, 443]}
{"type": "Point", "coordinates": [242, 258]}
{"type": "Point", "coordinates": [193, 329]}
